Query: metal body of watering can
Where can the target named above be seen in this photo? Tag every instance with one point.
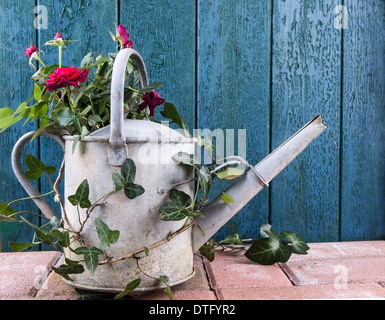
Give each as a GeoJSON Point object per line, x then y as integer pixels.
{"type": "Point", "coordinates": [150, 145]}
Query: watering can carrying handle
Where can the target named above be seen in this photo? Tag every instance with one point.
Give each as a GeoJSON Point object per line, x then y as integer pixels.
{"type": "Point", "coordinates": [20, 174]}
{"type": "Point", "coordinates": [117, 144]}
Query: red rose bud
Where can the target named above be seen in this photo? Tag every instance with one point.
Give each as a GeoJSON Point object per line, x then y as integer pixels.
{"type": "Point", "coordinates": [124, 36]}
{"type": "Point", "coordinates": [64, 77]}
{"type": "Point", "coordinates": [31, 50]}
{"type": "Point", "coordinates": [151, 100]}
{"type": "Point", "coordinates": [58, 36]}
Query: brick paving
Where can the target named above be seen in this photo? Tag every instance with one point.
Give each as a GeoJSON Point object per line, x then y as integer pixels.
{"type": "Point", "coordinates": [338, 270]}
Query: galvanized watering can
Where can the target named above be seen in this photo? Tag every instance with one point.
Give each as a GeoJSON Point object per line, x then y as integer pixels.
{"type": "Point", "coordinates": [150, 145]}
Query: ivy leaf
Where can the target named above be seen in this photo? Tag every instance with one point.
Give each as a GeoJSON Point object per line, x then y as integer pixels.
{"type": "Point", "coordinates": [45, 236]}
{"type": "Point", "coordinates": [268, 251]}
{"type": "Point", "coordinates": [165, 280]}
{"type": "Point", "coordinates": [230, 173]}
{"type": "Point", "coordinates": [129, 288]}
{"type": "Point", "coordinates": [81, 195]}
{"type": "Point", "coordinates": [62, 236]}
{"type": "Point", "coordinates": [36, 167]}
{"type": "Point", "coordinates": [21, 246]}
{"type": "Point", "coordinates": [180, 198]}
{"type": "Point", "coordinates": [71, 267]}
{"type": "Point", "coordinates": [227, 199]}
{"type": "Point", "coordinates": [233, 239]}
{"type": "Point", "coordinates": [299, 245]}
{"type": "Point", "coordinates": [267, 231]}
{"type": "Point", "coordinates": [205, 179]}
{"type": "Point", "coordinates": [91, 257]}
{"type": "Point", "coordinates": [5, 213]}
{"type": "Point", "coordinates": [118, 181]}
{"type": "Point", "coordinates": [186, 158]}
{"type": "Point", "coordinates": [125, 180]}
{"type": "Point", "coordinates": [172, 211]}
{"type": "Point", "coordinates": [132, 190]}
{"type": "Point", "coordinates": [208, 250]}
{"type": "Point", "coordinates": [128, 171]}
{"type": "Point", "coordinates": [106, 235]}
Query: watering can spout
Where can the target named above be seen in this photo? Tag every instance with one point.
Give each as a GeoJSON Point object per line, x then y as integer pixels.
{"type": "Point", "coordinates": [217, 213]}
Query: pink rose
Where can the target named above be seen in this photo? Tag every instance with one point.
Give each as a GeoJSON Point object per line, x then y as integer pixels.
{"type": "Point", "coordinates": [151, 100]}
{"type": "Point", "coordinates": [64, 77]}
{"type": "Point", "coordinates": [31, 50]}
{"type": "Point", "coordinates": [58, 36]}
{"type": "Point", "coordinates": [124, 36]}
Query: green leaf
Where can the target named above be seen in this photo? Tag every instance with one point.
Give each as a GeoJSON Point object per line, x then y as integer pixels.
{"type": "Point", "coordinates": [268, 251]}
{"type": "Point", "coordinates": [267, 231]}
{"type": "Point", "coordinates": [208, 250]}
{"type": "Point", "coordinates": [71, 267]}
{"type": "Point", "coordinates": [172, 211]}
{"type": "Point", "coordinates": [299, 245]}
{"type": "Point", "coordinates": [165, 280]}
{"type": "Point", "coordinates": [43, 235]}
{"type": "Point", "coordinates": [118, 180]}
{"type": "Point", "coordinates": [106, 235]}
{"type": "Point", "coordinates": [230, 173]}
{"type": "Point", "coordinates": [81, 195]}
{"type": "Point", "coordinates": [180, 198]}
{"type": "Point", "coordinates": [37, 92]}
{"type": "Point", "coordinates": [227, 199]}
{"type": "Point", "coordinates": [20, 246]}
{"type": "Point", "coordinates": [5, 213]}
{"type": "Point", "coordinates": [129, 288]}
{"type": "Point", "coordinates": [186, 158]}
{"type": "Point", "coordinates": [170, 112]}
{"type": "Point", "coordinates": [91, 257]}
{"type": "Point", "coordinates": [205, 179]}
{"type": "Point", "coordinates": [66, 118]}
{"type": "Point", "coordinates": [62, 236]}
{"type": "Point", "coordinates": [36, 167]}
{"type": "Point", "coordinates": [126, 179]}
{"type": "Point", "coordinates": [87, 59]}
{"type": "Point", "coordinates": [233, 239]}
{"type": "Point", "coordinates": [132, 190]}
{"type": "Point", "coordinates": [128, 171]}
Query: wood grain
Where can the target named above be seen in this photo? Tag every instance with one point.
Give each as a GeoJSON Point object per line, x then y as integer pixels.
{"type": "Point", "coordinates": [16, 34]}
{"type": "Point", "coordinates": [234, 89]}
{"type": "Point", "coordinates": [363, 132]}
{"type": "Point", "coordinates": [307, 81]}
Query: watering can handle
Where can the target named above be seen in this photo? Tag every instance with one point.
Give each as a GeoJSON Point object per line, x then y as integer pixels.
{"type": "Point", "coordinates": [117, 144]}
{"type": "Point", "coordinates": [20, 174]}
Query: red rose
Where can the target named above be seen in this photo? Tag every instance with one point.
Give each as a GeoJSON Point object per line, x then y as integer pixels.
{"type": "Point", "coordinates": [31, 50]}
{"type": "Point", "coordinates": [124, 37]}
{"type": "Point", "coordinates": [151, 100]}
{"type": "Point", "coordinates": [64, 77]}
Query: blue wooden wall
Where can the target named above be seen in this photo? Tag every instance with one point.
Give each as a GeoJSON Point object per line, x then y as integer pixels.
{"type": "Point", "coordinates": [267, 66]}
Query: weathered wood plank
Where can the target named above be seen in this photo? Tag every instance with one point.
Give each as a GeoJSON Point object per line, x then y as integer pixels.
{"type": "Point", "coordinates": [87, 22]}
{"type": "Point", "coordinates": [306, 82]}
{"type": "Point", "coordinates": [17, 32]}
{"type": "Point", "coordinates": [163, 32]}
{"type": "Point", "coordinates": [233, 88]}
{"type": "Point", "coordinates": [363, 141]}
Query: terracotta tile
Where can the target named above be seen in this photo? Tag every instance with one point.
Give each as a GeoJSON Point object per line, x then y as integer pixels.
{"type": "Point", "coordinates": [316, 272]}
{"type": "Point", "coordinates": [347, 249]}
{"type": "Point", "coordinates": [234, 270]}
{"type": "Point", "coordinates": [22, 273]}
{"type": "Point", "coordinates": [353, 291]}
